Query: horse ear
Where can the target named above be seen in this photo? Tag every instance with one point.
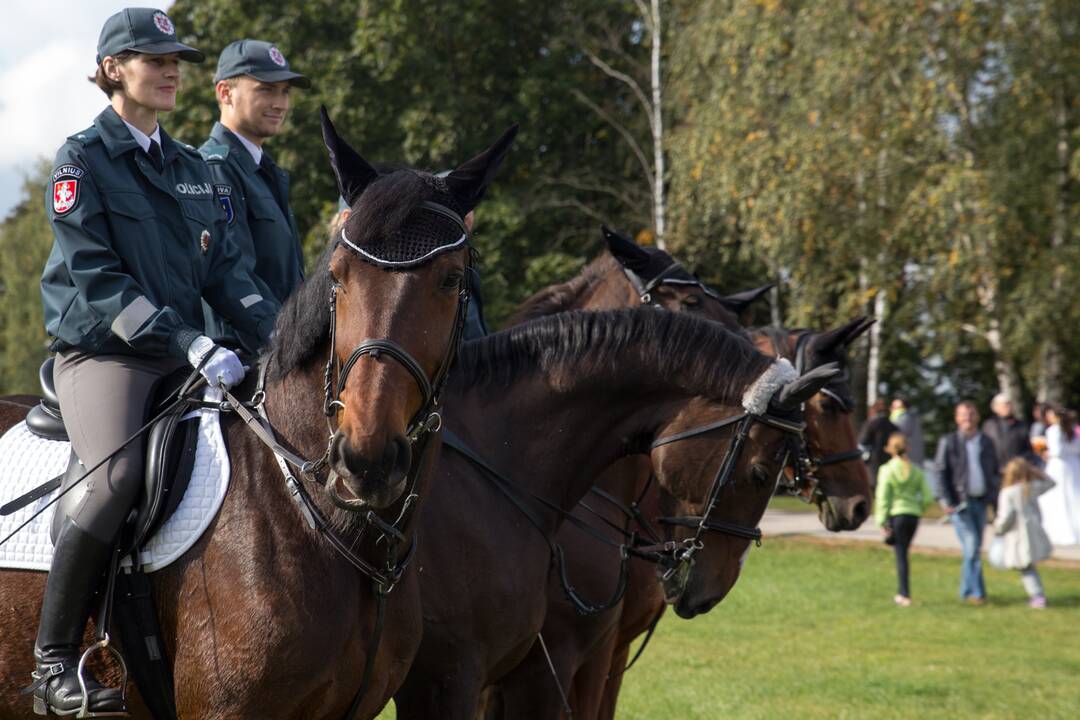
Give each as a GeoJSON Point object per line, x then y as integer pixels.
{"type": "Point", "coordinates": [353, 173]}
{"type": "Point", "coordinates": [469, 181]}
{"type": "Point", "coordinates": [831, 340]}
{"type": "Point", "coordinates": [626, 251]}
{"type": "Point", "coordinates": [791, 396]}
{"type": "Point", "coordinates": [740, 301]}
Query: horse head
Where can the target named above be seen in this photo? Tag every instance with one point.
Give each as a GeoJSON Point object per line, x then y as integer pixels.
{"type": "Point", "coordinates": [400, 291]}
{"type": "Point", "coordinates": [839, 480]}
{"type": "Point", "coordinates": [648, 275]}
{"type": "Point", "coordinates": [715, 492]}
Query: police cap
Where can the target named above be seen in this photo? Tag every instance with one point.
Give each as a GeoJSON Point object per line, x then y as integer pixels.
{"type": "Point", "coordinates": [143, 30]}
{"type": "Point", "coordinates": [261, 60]}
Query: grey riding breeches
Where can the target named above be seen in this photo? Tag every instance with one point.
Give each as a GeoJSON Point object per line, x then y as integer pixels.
{"type": "Point", "coordinates": [104, 400]}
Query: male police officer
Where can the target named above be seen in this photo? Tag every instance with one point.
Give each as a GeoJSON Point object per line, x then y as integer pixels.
{"type": "Point", "coordinates": [253, 81]}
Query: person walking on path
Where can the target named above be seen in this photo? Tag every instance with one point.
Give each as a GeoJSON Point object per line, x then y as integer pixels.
{"type": "Point", "coordinates": [1061, 506]}
{"type": "Point", "coordinates": [902, 496]}
{"type": "Point", "coordinates": [875, 433]}
{"type": "Point", "coordinates": [967, 471]}
{"type": "Point", "coordinates": [1009, 433]}
{"type": "Point", "coordinates": [908, 422]}
{"type": "Point", "coordinates": [1019, 524]}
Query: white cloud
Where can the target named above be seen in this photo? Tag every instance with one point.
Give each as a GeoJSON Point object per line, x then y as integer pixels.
{"type": "Point", "coordinates": [47, 50]}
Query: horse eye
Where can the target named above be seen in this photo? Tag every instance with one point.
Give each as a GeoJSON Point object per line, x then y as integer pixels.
{"type": "Point", "coordinates": [760, 474]}
{"type": "Point", "coordinates": [453, 279]}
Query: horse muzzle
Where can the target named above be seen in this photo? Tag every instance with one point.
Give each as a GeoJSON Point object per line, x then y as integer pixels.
{"type": "Point", "coordinates": [358, 483]}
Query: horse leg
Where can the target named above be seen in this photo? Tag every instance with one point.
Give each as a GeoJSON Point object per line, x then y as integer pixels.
{"type": "Point", "coordinates": [590, 681]}
{"type": "Point", "coordinates": [530, 689]}
{"type": "Point", "coordinates": [441, 696]}
{"type": "Point", "coordinates": [616, 667]}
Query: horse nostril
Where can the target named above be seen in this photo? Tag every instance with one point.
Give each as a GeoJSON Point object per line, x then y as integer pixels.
{"type": "Point", "coordinates": [398, 457]}
{"type": "Point", "coordinates": [862, 510]}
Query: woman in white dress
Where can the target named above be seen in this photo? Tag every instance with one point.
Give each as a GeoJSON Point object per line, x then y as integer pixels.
{"type": "Point", "coordinates": [1060, 506]}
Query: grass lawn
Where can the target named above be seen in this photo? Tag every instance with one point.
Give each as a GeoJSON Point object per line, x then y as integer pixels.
{"type": "Point", "coordinates": [810, 631]}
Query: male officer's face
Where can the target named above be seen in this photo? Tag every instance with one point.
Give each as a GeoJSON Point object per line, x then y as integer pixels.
{"type": "Point", "coordinates": [257, 109]}
{"type": "Point", "coordinates": [149, 80]}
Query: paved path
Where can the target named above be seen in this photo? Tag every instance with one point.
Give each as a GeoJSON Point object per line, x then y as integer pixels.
{"type": "Point", "coordinates": [931, 535]}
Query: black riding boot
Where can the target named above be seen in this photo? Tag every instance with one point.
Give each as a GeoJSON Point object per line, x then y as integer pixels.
{"type": "Point", "coordinates": [79, 560]}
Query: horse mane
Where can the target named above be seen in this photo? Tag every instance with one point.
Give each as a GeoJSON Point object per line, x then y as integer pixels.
{"type": "Point", "coordinates": [562, 297]}
{"type": "Point", "coordinates": [700, 355]}
{"type": "Point", "coordinates": [303, 325]}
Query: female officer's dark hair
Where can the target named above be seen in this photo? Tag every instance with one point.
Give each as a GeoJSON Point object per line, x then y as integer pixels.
{"type": "Point", "coordinates": [103, 81]}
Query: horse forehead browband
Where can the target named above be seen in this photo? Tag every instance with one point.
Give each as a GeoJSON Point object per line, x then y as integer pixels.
{"type": "Point", "coordinates": [644, 289]}
{"type": "Point", "coordinates": [426, 251]}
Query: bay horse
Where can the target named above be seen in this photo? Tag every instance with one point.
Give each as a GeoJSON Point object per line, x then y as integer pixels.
{"type": "Point", "coordinates": [266, 617]}
{"type": "Point", "coordinates": [590, 651]}
{"type": "Point", "coordinates": [544, 408]}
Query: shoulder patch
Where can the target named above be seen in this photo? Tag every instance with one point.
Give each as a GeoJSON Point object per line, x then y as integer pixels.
{"type": "Point", "coordinates": [65, 187]}
{"type": "Point", "coordinates": [224, 196]}
{"type": "Point", "coordinates": [214, 153]}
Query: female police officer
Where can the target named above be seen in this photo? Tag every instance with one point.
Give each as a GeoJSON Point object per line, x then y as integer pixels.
{"type": "Point", "coordinates": [140, 240]}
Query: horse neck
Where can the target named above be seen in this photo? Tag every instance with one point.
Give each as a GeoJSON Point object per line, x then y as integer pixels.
{"type": "Point", "coordinates": [294, 405]}
{"type": "Point", "coordinates": [601, 285]}
{"type": "Point", "coordinates": [783, 346]}
{"type": "Point", "coordinates": [555, 439]}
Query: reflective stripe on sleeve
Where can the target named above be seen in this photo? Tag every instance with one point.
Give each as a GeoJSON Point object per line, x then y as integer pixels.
{"type": "Point", "coordinates": [132, 317]}
{"type": "Point", "coordinates": [250, 300]}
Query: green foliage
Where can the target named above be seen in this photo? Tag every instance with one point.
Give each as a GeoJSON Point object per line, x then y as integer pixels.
{"type": "Point", "coordinates": [431, 84]}
{"type": "Point", "coordinates": [25, 239]}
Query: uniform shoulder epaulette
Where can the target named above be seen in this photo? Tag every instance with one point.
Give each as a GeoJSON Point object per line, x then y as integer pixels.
{"type": "Point", "coordinates": [185, 148]}
{"type": "Point", "coordinates": [212, 152]}
{"type": "Point", "coordinates": [87, 136]}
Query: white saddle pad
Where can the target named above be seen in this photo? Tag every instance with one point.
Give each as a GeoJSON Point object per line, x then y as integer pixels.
{"type": "Point", "coordinates": [27, 461]}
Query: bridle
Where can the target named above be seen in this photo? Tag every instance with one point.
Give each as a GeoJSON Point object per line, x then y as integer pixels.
{"type": "Point", "coordinates": [665, 277]}
{"type": "Point", "coordinates": [676, 557]}
{"type": "Point", "coordinates": [807, 463]}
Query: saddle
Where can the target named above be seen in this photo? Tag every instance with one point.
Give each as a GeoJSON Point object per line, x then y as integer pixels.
{"type": "Point", "coordinates": [170, 456]}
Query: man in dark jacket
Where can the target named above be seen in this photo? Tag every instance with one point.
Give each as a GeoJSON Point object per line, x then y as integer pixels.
{"type": "Point", "coordinates": [1010, 435]}
{"type": "Point", "coordinates": [968, 480]}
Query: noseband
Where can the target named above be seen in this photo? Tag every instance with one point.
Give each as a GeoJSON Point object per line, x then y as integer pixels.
{"type": "Point", "coordinates": [680, 555]}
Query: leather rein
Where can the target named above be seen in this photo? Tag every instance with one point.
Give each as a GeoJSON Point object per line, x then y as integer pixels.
{"type": "Point", "coordinates": [670, 555]}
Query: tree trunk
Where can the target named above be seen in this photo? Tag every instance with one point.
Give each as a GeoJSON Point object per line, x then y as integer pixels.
{"type": "Point", "coordinates": [1051, 372]}
{"type": "Point", "coordinates": [659, 206]}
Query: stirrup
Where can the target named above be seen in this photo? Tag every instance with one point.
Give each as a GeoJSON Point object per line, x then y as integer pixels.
{"type": "Point", "coordinates": [84, 711]}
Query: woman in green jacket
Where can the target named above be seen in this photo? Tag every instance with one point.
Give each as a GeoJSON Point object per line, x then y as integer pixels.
{"type": "Point", "coordinates": [902, 496]}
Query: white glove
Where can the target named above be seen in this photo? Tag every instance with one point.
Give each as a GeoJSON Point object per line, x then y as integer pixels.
{"type": "Point", "coordinates": [222, 368]}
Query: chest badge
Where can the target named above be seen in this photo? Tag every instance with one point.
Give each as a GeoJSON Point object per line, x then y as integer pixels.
{"type": "Point", "coordinates": [204, 241]}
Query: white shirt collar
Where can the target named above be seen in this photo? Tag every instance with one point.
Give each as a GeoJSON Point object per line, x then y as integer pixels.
{"type": "Point", "coordinates": [255, 150]}
{"type": "Point", "coordinates": [142, 138]}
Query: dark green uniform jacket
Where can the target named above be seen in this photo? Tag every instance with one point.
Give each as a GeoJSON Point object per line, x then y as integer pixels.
{"type": "Point", "coordinates": [256, 199]}
{"type": "Point", "coordinates": [135, 250]}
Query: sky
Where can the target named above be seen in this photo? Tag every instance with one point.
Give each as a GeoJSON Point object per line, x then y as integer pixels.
{"type": "Point", "coordinates": [47, 50]}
